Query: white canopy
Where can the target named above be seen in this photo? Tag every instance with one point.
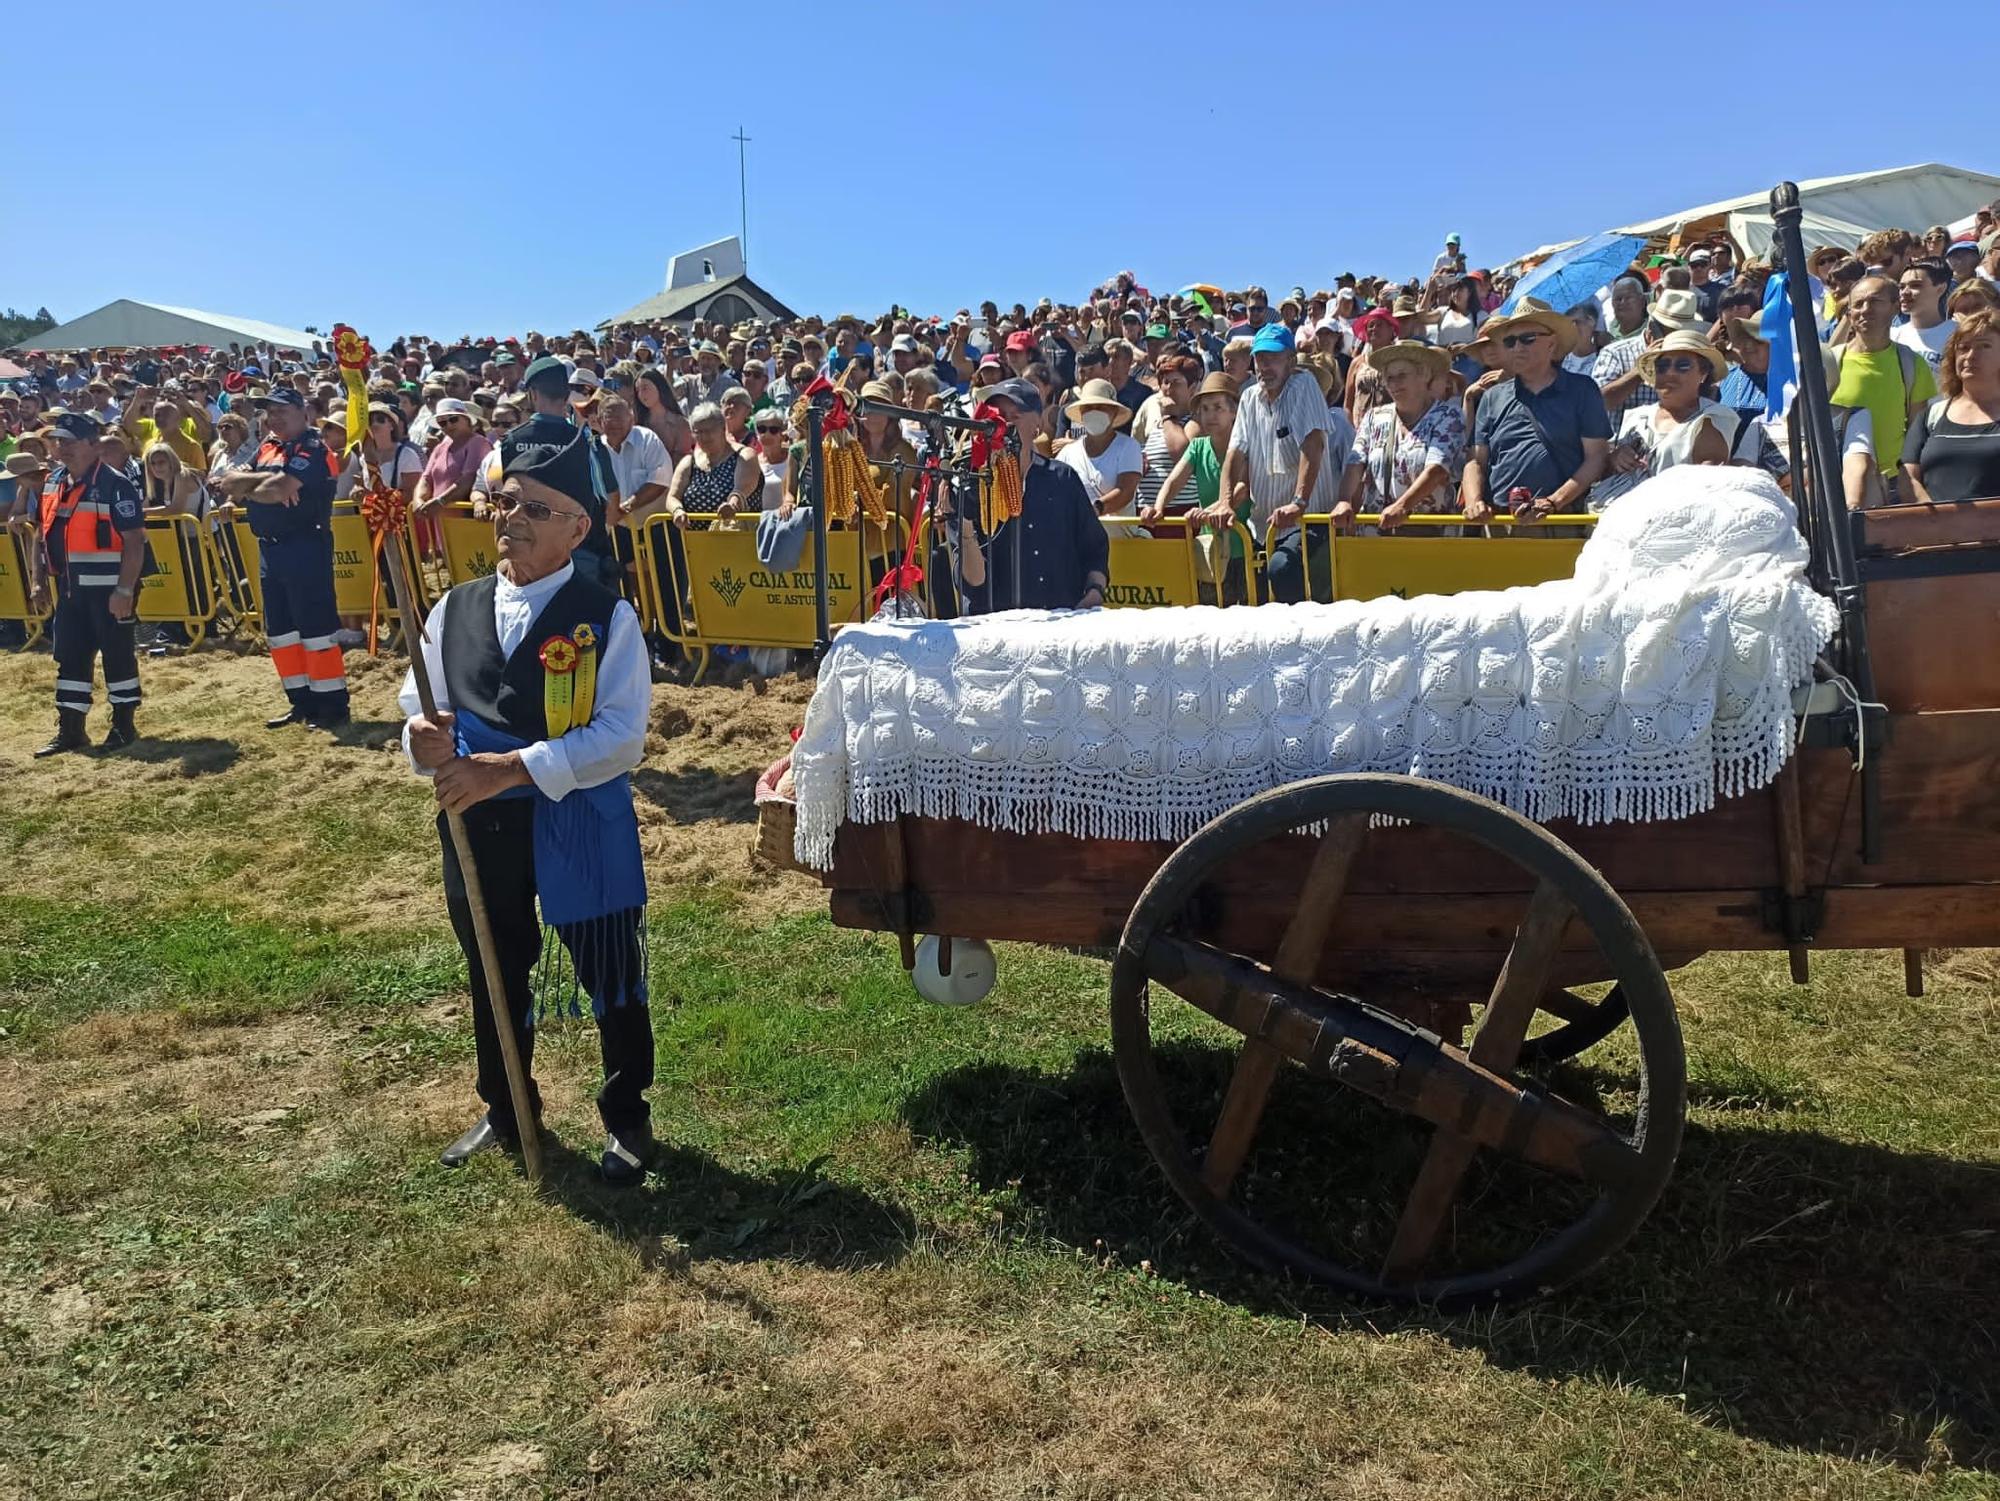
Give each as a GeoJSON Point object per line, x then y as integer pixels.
{"type": "Point", "coordinates": [125, 324]}
{"type": "Point", "coordinates": [1836, 210]}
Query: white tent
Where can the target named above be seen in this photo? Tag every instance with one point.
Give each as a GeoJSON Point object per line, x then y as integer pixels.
{"type": "Point", "coordinates": [1836, 210]}
{"type": "Point", "coordinates": [125, 324]}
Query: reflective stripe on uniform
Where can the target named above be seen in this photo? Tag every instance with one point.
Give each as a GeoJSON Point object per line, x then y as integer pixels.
{"type": "Point", "coordinates": [283, 638]}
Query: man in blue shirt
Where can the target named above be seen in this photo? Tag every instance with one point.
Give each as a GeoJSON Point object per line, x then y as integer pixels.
{"type": "Point", "coordinates": [1055, 555]}
{"type": "Point", "coordinates": [1542, 437]}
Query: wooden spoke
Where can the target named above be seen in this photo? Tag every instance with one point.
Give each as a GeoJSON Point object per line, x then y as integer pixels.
{"type": "Point", "coordinates": [1523, 986]}
{"type": "Point", "coordinates": [1297, 961]}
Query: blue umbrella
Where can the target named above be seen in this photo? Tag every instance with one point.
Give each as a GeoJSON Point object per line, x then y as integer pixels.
{"type": "Point", "coordinates": [1578, 273]}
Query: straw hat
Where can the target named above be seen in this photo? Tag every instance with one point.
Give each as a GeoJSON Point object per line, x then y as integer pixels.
{"type": "Point", "coordinates": [1682, 343]}
{"type": "Point", "coordinates": [1427, 357]}
{"type": "Point", "coordinates": [1532, 312]}
{"type": "Point", "coordinates": [21, 465]}
{"type": "Point", "coordinates": [1220, 383]}
{"type": "Point", "coordinates": [1102, 395]}
{"type": "Point", "coordinates": [1678, 310]}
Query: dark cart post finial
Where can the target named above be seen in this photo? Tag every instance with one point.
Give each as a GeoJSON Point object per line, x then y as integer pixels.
{"type": "Point", "coordinates": [1833, 532]}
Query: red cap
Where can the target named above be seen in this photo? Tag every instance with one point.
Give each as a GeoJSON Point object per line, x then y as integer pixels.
{"type": "Point", "coordinates": [1022, 339]}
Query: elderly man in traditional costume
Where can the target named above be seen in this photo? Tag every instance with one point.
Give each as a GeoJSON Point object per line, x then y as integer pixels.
{"type": "Point", "coordinates": [542, 705]}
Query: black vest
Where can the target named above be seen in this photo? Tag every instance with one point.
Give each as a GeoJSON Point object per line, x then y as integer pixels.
{"type": "Point", "coordinates": [507, 692]}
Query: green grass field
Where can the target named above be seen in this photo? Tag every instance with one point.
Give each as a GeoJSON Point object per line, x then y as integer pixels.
{"type": "Point", "coordinates": [894, 1250]}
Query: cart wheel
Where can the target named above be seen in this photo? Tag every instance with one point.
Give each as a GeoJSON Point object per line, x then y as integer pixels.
{"type": "Point", "coordinates": [1513, 1191]}
{"type": "Point", "coordinates": [1585, 1023]}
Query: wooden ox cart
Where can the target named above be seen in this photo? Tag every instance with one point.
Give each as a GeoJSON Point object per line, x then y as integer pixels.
{"type": "Point", "coordinates": [1442, 957]}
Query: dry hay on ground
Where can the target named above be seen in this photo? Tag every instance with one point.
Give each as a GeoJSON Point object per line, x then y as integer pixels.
{"type": "Point", "coordinates": [213, 808]}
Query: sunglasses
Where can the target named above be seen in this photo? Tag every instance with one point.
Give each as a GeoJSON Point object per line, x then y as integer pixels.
{"type": "Point", "coordinates": [1679, 364]}
{"type": "Point", "coordinates": [507, 504]}
{"type": "Point", "coordinates": [379, 419]}
{"type": "Point", "coordinates": [1518, 341]}
{"type": "Point", "coordinates": [774, 429]}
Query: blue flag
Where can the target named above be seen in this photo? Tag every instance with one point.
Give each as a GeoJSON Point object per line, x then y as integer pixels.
{"type": "Point", "coordinates": [1781, 384]}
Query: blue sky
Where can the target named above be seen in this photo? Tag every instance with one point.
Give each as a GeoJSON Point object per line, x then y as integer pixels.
{"type": "Point", "coordinates": [491, 167]}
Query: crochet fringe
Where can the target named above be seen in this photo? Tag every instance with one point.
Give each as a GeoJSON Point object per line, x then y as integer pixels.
{"type": "Point", "coordinates": [1698, 573]}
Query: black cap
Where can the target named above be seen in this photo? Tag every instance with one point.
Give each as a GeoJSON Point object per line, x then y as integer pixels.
{"type": "Point", "coordinates": [548, 375]}
{"type": "Point", "coordinates": [1024, 396]}
{"type": "Point", "coordinates": [555, 452]}
{"type": "Point", "coordinates": [282, 396]}
{"type": "Point", "coordinates": [77, 425]}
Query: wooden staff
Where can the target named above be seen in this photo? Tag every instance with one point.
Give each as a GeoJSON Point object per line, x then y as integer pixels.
{"type": "Point", "coordinates": [475, 894]}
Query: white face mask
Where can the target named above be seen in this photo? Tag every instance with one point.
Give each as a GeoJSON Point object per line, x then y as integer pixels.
{"type": "Point", "coordinates": [1097, 424]}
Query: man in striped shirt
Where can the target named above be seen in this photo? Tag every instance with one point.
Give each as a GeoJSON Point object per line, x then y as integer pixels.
{"type": "Point", "coordinates": [1279, 458]}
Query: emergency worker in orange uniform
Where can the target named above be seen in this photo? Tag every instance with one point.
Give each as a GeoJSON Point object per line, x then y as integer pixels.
{"type": "Point", "coordinates": [287, 497]}
{"type": "Point", "coordinates": [93, 541]}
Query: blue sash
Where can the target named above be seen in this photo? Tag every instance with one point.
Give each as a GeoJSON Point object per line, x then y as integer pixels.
{"type": "Point", "coordinates": [589, 876]}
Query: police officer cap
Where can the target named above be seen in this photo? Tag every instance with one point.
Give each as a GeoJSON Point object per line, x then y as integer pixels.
{"type": "Point", "coordinates": [77, 425]}
{"type": "Point", "coordinates": [547, 374]}
{"type": "Point", "coordinates": [555, 452]}
{"type": "Point", "coordinates": [282, 396]}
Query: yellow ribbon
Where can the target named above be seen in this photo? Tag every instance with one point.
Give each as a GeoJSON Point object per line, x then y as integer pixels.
{"type": "Point", "coordinates": [584, 698]}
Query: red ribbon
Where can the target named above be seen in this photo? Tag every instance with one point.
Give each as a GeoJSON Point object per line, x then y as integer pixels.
{"type": "Point", "coordinates": [385, 511]}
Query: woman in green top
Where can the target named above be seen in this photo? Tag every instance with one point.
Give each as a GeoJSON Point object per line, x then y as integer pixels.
{"type": "Point", "coordinates": [1215, 414]}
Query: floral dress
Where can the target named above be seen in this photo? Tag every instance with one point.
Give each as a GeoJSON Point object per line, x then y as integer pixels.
{"type": "Point", "coordinates": [1437, 438]}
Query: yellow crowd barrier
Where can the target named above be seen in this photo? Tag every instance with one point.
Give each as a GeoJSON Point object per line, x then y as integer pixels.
{"type": "Point", "coordinates": [1415, 560]}
{"type": "Point", "coordinates": [353, 566]}
{"type": "Point", "coordinates": [468, 544]}
{"type": "Point", "coordinates": [14, 601]}
{"type": "Point", "coordinates": [729, 598]}
{"type": "Point", "coordinates": [184, 587]}
{"type": "Point", "coordinates": [1150, 570]}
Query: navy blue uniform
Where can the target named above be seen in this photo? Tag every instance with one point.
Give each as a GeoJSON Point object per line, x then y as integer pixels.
{"type": "Point", "coordinates": [295, 569]}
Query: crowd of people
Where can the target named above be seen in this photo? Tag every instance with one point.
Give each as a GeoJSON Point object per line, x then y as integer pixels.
{"type": "Point", "coordinates": [1369, 402]}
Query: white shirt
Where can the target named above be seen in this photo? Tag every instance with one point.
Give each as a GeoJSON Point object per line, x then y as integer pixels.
{"type": "Point", "coordinates": [1275, 461]}
{"type": "Point", "coordinates": [1927, 342]}
{"type": "Point", "coordinates": [612, 743]}
{"type": "Point", "coordinates": [406, 464]}
{"type": "Point", "coordinates": [640, 460]}
{"type": "Point", "coordinates": [1100, 474]}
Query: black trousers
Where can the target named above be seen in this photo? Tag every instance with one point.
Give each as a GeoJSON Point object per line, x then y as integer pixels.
{"type": "Point", "coordinates": [84, 628]}
{"type": "Point", "coordinates": [501, 832]}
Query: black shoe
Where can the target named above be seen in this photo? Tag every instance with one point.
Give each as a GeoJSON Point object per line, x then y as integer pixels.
{"type": "Point", "coordinates": [627, 1155]}
{"type": "Point", "coordinates": [332, 720]}
{"type": "Point", "coordinates": [293, 715]}
{"type": "Point", "coordinates": [69, 734]}
{"type": "Point", "coordinates": [482, 1136]}
{"type": "Point", "coordinates": [124, 731]}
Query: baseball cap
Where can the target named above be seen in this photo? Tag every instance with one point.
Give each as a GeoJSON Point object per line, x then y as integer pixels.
{"type": "Point", "coordinates": [1452, 238]}
{"type": "Point", "coordinates": [1698, 257]}
{"type": "Point", "coordinates": [1273, 338]}
{"type": "Point", "coordinates": [506, 357]}
{"type": "Point", "coordinates": [1020, 392]}
{"type": "Point", "coordinates": [993, 360]}
{"type": "Point", "coordinates": [1970, 247]}
{"type": "Point", "coordinates": [281, 396]}
{"type": "Point", "coordinates": [903, 343]}
{"type": "Point", "coordinates": [1022, 340]}
{"type": "Point", "coordinates": [76, 425]}
{"type": "Point", "coordinates": [547, 374]}
{"type": "Point", "coordinates": [1158, 331]}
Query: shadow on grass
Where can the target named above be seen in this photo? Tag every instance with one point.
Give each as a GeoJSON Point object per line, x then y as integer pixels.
{"type": "Point", "coordinates": [371, 734]}
{"type": "Point", "coordinates": [197, 755]}
{"type": "Point", "coordinates": [717, 1213]}
{"type": "Point", "coordinates": [1807, 1291]}
{"type": "Point", "coordinates": [694, 794]}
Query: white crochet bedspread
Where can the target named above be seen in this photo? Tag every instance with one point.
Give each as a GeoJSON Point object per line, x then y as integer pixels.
{"type": "Point", "coordinates": [1657, 677]}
